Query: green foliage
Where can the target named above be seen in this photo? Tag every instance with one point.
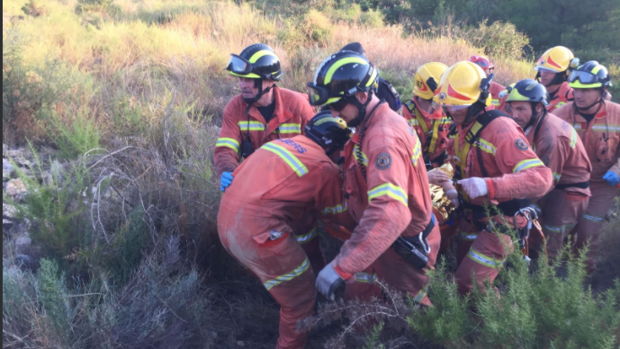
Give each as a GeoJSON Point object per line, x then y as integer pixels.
{"type": "Point", "coordinates": [536, 310]}
{"type": "Point", "coordinates": [52, 296]}
{"type": "Point", "coordinates": [500, 39]}
{"type": "Point", "coordinates": [76, 136]}
{"type": "Point", "coordinates": [55, 207]}
{"type": "Point", "coordinates": [374, 336]}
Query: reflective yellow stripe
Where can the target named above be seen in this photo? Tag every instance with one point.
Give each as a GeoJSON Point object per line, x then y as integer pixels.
{"type": "Point", "coordinates": [417, 151]}
{"type": "Point", "coordinates": [485, 260]}
{"type": "Point", "coordinates": [614, 128]}
{"type": "Point", "coordinates": [372, 78]}
{"type": "Point", "coordinates": [420, 296]}
{"type": "Point", "coordinates": [413, 122]}
{"type": "Point", "coordinates": [573, 138]}
{"type": "Point", "coordinates": [445, 120]}
{"type": "Point", "coordinates": [288, 157]}
{"type": "Point", "coordinates": [525, 164]}
{"type": "Point", "coordinates": [556, 176]}
{"type": "Point", "coordinates": [594, 218]}
{"type": "Point", "coordinates": [390, 190]}
{"type": "Point", "coordinates": [249, 76]}
{"type": "Point", "coordinates": [349, 60]}
{"type": "Point", "coordinates": [486, 146]}
{"type": "Point", "coordinates": [260, 54]}
{"type": "Point", "coordinates": [365, 278]}
{"type": "Point", "coordinates": [557, 229]}
{"type": "Point", "coordinates": [302, 239]}
{"type": "Point", "coordinates": [357, 150]}
{"type": "Point", "coordinates": [228, 142]}
{"type": "Point", "coordinates": [334, 209]}
{"type": "Point", "coordinates": [287, 277]}
{"type": "Point", "coordinates": [290, 128]}
{"type": "Point", "coordinates": [467, 236]}
{"type": "Point", "coordinates": [495, 102]}
{"type": "Point", "coordinates": [253, 126]}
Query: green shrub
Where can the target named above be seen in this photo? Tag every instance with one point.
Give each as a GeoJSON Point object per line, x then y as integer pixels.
{"type": "Point", "coordinates": [55, 208]}
{"type": "Point", "coordinates": [500, 39]}
{"type": "Point", "coordinates": [74, 135]}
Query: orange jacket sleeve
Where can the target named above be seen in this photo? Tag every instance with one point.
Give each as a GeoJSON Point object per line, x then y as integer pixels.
{"type": "Point", "coordinates": [226, 155]}
{"type": "Point", "coordinates": [387, 214]}
{"type": "Point", "coordinates": [525, 175]}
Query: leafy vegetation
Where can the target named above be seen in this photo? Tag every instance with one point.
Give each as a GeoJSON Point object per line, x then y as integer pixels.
{"type": "Point", "coordinates": [130, 94]}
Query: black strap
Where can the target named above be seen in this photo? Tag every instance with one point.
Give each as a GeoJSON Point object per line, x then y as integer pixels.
{"type": "Point", "coordinates": [581, 185]}
{"type": "Point", "coordinates": [362, 133]}
{"type": "Point", "coordinates": [429, 227]}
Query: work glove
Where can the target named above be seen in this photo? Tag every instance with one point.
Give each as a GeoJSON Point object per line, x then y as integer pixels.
{"type": "Point", "coordinates": [225, 180]}
{"type": "Point", "coordinates": [612, 178]}
{"type": "Point", "coordinates": [328, 281]}
{"type": "Point", "coordinates": [453, 195]}
{"type": "Point", "coordinates": [474, 187]}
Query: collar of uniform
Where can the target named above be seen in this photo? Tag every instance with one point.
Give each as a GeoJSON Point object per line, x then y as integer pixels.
{"type": "Point", "coordinates": [280, 113]}
{"type": "Point", "coordinates": [602, 112]}
{"type": "Point", "coordinates": [373, 119]}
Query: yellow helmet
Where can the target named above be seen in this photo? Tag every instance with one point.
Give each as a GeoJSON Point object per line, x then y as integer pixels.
{"type": "Point", "coordinates": [427, 79]}
{"type": "Point", "coordinates": [461, 85]}
{"type": "Point", "coordinates": [556, 60]}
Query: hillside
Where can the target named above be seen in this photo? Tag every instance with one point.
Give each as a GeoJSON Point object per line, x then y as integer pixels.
{"type": "Point", "coordinates": [110, 115]}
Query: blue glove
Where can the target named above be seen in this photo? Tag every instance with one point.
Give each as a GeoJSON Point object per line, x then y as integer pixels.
{"type": "Point", "coordinates": [225, 180]}
{"type": "Point", "coordinates": [611, 178]}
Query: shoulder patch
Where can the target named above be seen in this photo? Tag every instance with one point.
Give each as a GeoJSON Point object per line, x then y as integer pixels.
{"type": "Point", "coordinates": [383, 161]}
{"type": "Point", "coordinates": [520, 144]}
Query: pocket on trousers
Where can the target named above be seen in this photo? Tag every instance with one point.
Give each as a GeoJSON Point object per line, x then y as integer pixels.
{"type": "Point", "coordinates": [575, 197]}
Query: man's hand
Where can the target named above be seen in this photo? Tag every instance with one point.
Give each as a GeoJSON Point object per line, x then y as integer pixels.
{"type": "Point", "coordinates": [474, 187]}
{"type": "Point", "coordinates": [328, 281]}
{"type": "Point", "coordinates": [225, 180]}
{"type": "Point", "coordinates": [612, 178]}
{"type": "Point", "coordinates": [437, 177]}
{"type": "Point", "coordinates": [453, 195]}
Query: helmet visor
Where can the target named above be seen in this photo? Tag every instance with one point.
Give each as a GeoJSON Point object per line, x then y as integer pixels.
{"type": "Point", "coordinates": [238, 65]}
{"type": "Point", "coordinates": [546, 70]}
{"type": "Point", "coordinates": [583, 77]}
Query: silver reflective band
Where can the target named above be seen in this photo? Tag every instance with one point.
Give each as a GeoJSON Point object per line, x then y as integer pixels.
{"type": "Point", "coordinates": [302, 239]}
{"type": "Point", "coordinates": [286, 277]}
{"type": "Point", "coordinates": [484, 260]}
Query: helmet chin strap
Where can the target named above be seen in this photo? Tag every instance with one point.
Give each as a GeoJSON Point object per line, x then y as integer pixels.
{"type": "Point", "coordinates": [600, 100]}
{"type": "Point", "coordinates": [534, 117]}
{"type": "Point", "coordinates": [361, 114]}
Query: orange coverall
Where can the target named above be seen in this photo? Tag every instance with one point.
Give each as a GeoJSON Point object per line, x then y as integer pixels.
{"type": "Point", "coordinates": [601, 138]}
{"type": "Point", "coordinates": [393, 200]}
{"type": "Point", "coordinates": [495, 89]}
{"type": "Point", "coordinates": [292, 112]}
{"type": "Point", "coordinates": [562, 96]}
{"type": "Point", "coordinates": [559, 147]}
{"type": "Point", "coordinates": [513, 171]}
{"type": "Point", "coordinates": [432, 130]}
{"type": "Point", "coordinates": [279, 182]}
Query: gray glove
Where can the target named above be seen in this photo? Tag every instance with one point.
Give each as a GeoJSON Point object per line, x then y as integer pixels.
{"type": "Point", "coordinates": [328, 281]}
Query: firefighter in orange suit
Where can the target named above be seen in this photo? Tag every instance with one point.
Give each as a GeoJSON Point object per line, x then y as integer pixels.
{"type": "Point", "coordinates": [432, 127]}
{"type": "Point", "coordinates": [492, 161]}
{"type": "Point", "coordinates": [552, 69]}
{"type": "Point", "coordinates": [261, 113]}
{"type": "Point", "coordinates": [597, 123]}
{"type": "Point", "coordinates": [430, 124]}
{"type": "Point", "coordinates": [280, 181]}
{"type": "Point", "coordinates": [559, 147]}
{"type": "Point", "coordinates": [495, 89]}
{"type": "Point", "coordinates": [386, 189]}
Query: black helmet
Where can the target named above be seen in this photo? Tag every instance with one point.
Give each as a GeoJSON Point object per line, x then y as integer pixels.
{"type": "Point", "coordinates": [528, 90]}
{"type": "Point", "coordinates": [340, 76]}
{"type": "Point", "coordinates": [257, 61]}
{"type": "Point", "coordinates": [331, 133]}
{"type": "Point", "coordinates": [591, 74]}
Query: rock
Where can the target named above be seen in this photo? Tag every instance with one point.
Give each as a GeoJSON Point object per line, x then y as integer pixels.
{"type": "Point", "coordinates": [23, 240]}
{"type": "Point", "coordinates": [24, 261]}
{"type": "Point", "coordinates": [8, 211]}
{"type": "Point", "coordinates": [15, 186]}
{"type": "Point", "coordinates": [7, 169]}
{"type": "Point", "coordinates": [7, 224]}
